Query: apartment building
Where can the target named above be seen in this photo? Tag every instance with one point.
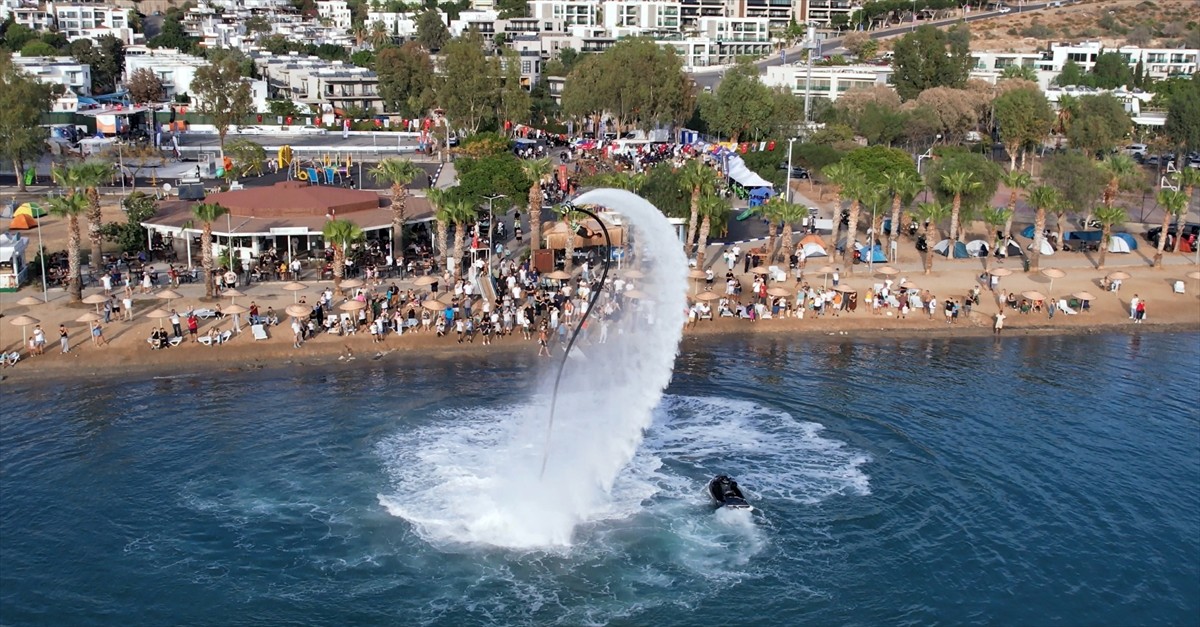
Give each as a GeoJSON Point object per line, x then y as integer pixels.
{"type": "Point", "coordinates": [779, 13]}
{"type": "Point", "coordinates": [322, 85]}
{"type": "Point", "coordinates": [400, 25]}
{"type": "Point", "coordinates": [828, 82]}
{"type": "Point", "coordinates": [558, 16]}
{"type": "Point", "coordinates": [638, 17]}
{"type": "Point", "coordinates": [175, 69]}
{"type": "Point", "coordinates": [1158, 62]}
{"type": "Point", "coordinates": [74, 77]}
{"type": "Point", "coordinates": [28, 13]}
{"type": "Point", "coordinates": [692, 10]}
{"type": "Point", "coordinates": [335, 13]}
{"type": "Point", "coordinates": [824, 12]}
{"type": "Point", "coordinates": [75, 20]}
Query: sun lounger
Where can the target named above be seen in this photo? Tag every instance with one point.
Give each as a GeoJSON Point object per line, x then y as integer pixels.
{"type": "Point", "coordinates": [259, 331]}
{"type": "Point", "coordinates": [225, 336]}
{"type": "Point", "coordinates": [204, 314]}
{"type": "Point", "coordinates": [176, 341]}
{"type": "Point", "coordinates": [1064, 307]}
{"type": "Point", "coordinates": [10, 359]}
{"type": "Point", "coordinates": [205, 340]}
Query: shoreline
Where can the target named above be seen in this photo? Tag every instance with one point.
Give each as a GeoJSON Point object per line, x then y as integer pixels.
{"type": "Point", "coordinates": [357, 352]}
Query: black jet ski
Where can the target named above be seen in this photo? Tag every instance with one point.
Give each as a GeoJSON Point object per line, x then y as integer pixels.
{"type": "Point", "coordinates": [726, 493]}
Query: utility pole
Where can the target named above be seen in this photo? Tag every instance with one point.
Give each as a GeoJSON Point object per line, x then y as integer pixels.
{"type": "Point", "coordinates": [810, 43]}
{"type": "Point", "coordinates": [491, 226]}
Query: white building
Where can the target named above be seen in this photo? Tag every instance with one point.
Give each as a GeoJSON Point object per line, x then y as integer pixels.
{"type": "Point", "coordinates": [28, 13]}
{"type": "Point", "coordinates": [828, 82]}
{"type": "Point", "coordinates": [1158, 62]}
{"type": "Point", "coordinates": [693, 10]}
{"type": "Point", "coordinates": [401, 25]}
{"type": "Point", "coordinates": [325, 86]}
{"type": "Point", "coordinates": [88, 21]}
{"type": "Point", "coordinates": [485, 22]}
{"type": "Point", "coordinates": [334, 12]}
{"type": "Point", "coordinates": [823, 12]}
{"type": "Point", "coordinates": [74, 77]}
{"type": "Point", "coordinates": [558, 16]}
{"type": "Point", "coordinates": [175, 69]}
{"type": "Point", "coordinates": [1136, 102]}
{"type": "Point", "coordinates": [634, 17]}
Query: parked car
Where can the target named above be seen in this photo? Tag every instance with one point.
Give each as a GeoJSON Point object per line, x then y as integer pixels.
{"type": "Point", "coordinates": [1004, 9]}
{"type": "Point", "coordinates": [797, 171]}
{"type": "Point", "coordinates": [1188, 230]}
{"type": "Point", "coordinates": [1136, 150]}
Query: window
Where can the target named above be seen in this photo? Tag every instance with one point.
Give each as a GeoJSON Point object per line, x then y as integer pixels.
{"type": "Point", "coordinates": [526, 67]}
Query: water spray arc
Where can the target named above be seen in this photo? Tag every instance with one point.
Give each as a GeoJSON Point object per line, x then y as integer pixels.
{"type": "Point", "coordinates": [568, 208]}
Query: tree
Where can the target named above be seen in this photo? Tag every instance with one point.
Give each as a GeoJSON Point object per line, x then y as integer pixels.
{"type": "Point", "coordinates": [1188, 179]}
{"type": "Point", "coordinates": [744, 108]}
{"type": "Point", "coordinates": [439, 199]}
{"type": "Point", "coordinates": [877, 163]}
{"type": "Point", "coordinates": [86, 178]}
{"type": "Point", "coordinates": [431, 30]}
{"type": "Point", "coordinates": [927, 58]}
{"type": "Point", "coordinates": [406, 79]}
{"type": "Point", "coordinates": [515, 101]}
{"type": "Point", "coordinates": [23, 99]}
{"type": "Point", "coordinates": [222, 94]}
{"type": "Point", "coordinates": [1015, 181]}
{"type": "Point", "coordinates": [1077, 179]}
{"type": "Point", "coordinates": [38, 48]}
{"type": "Point", "coordinates": [1072, 74]}
{"type": "Point", "coordinates": [493, 174]}
{"type": "Point", "coordinates": [1024, 117]}
{"type": "Point", "coordinates": [636, 82]}
{"type": "Point", "coordinates": [1174, 203]}
{"type": "Point", "coordinates": [903, 186]}
{"type": "Point", "coordinates": [860, 44]}
{"type": "Point", "coordinates": [931, 214]}
{"type": "Point", "coordinates": [957, 111]}
{"type": "Point", "coordinates": [839, 175]}
{"type": "Point", "coordinates": [397, 173]}
{"type": "Point", "coordinates": [248, 157]}
{"type": "Point", "coordinates": [172, 35]}
{"type": "Point", "coordinates": [789, 213]}
{"type": "Point", "coordinates": [1043, 198]}
{"type": "Point", "coordinates": [340, 234]}
{"type": "Point", "coordinates": [857, 189]}
{"type": "Point", "coordinates": [460, 212]}
{"type": "Point", "coordinates": [131, 235]}
{"type": "Point", "coordinates": [1123, 174]}
{"type": "Point", "coordinates": [71, 207]}
{"type": "Point", "coordinates": [957, 183]}
{"type": "Point", "coordinates": [1023, 72]}
{"type": "Point", "coordinates": [145, 86]}
{"type": "Point", "coordinates": [698, 178]}
{"type": "Point", "coordinates": [471, 91]}
{"type": "Point", "coordinates": [379, 35]}
{"type": "Point", "coordinates": [983, 170]}
{"type": "Point", "coordinates": [207, 213]}
{"type": "Point", "coordinates": [1100, 124]}
{"type": "Point", "coordinates": [716, 209]}
{"type": "Point", "coordinates": [995, 218]}
{"type": "Point", "coordinates": [1110, 71]}
{"type": "Point", "coordinates": [511, 8]}
{"type": "Point", "coordinates": [1183, 116]}
{"type": "Point", "coordinates": [536, 171]}
{"type": "Point", "coordinates": [1108, 216]}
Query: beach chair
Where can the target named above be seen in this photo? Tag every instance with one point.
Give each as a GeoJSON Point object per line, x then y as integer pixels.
{"type": "Point", "coordinates": [204, 314]}
{"type": "Point", "coordinates": [10, 359]}
{"type": "Point", "coordinates": [259, 331]}
{"type": "Point", "coordinates": [225, 337]}
{"type": "Point", "coordinates": [176, 341]}
{"type": "Point", "coordinates": [205, 340]}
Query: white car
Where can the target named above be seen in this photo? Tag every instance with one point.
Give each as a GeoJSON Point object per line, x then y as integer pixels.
{"type": "Point", "coordinates": [1136, 150]}
{"type": "Point", "coordinates": [1005, 9]}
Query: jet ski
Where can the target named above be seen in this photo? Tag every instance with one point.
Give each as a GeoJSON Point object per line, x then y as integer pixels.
{"type": "Point", "coordinates": [726, 493]}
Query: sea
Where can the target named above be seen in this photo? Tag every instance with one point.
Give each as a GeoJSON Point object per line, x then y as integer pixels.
{"type": "Point", "coordinates": [1010, 481]}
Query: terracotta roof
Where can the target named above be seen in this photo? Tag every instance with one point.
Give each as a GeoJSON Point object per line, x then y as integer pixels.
{"type": "Point", "coordinates": [295, 199]}
{"type": "Point", "coordinates": [174, 215]}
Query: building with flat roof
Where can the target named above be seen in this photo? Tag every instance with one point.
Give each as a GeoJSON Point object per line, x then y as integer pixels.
{"type": "Point", "coordinates": [327, 86]}
{"type": "Point", "coordinates": [1159, 63]}
{"type": "Point", "coordinates": [74, 77]}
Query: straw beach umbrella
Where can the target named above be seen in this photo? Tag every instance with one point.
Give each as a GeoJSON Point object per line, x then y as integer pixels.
{"type": "Point", "coordinates": [89, 317]}
{"type": "Point", "coordinates": [23, 322]}
{"type": "Point", "coordinates": [352, 283]}
{"type": "Point", "coordinates": [434, 305]}
{"type": "Point", "coordinates": [634, 274]}
{"type": "Point", "coordinates": [158, 314]}
{"type": "Point", "coordinates": [95, 299]}
{"type": "Point", "coordinates": [635, 294]}
{"type": "Point", "coordinates": [1119, 275]}
{"type": "Point", "coordinates": [1053, 273]}
{"type": "Point", "coordinates": [707, 296]}
{"type": "Point", "coordinates": [825, 271]}
{"type": "Point", "coordinates": [1034, 295]}
{"type": "Point", "coordinates": [558, 275]}
{"type": "Point", "coordinates": [1083, 297]}
{"type": "Point", "coordinates": [760, 270]}
{"type": "Point", "coordinates": [30, 301]}
{"type": "Point", "coordinates": [352, 305]}
{"type": "Point", "coordinates": [779, 291]}
{"type": "Point", "coordinates": [298, 311]}
{"type": "Point", "coordinates": [236, 309]}
{"type": "Point", "coordinates": [294, 288]}
{"type": "Point", "coordinates": [233, 294]}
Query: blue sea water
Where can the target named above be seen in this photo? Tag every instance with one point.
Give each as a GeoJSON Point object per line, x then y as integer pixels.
{"type": "Point", "coordinates": [1025, 481]}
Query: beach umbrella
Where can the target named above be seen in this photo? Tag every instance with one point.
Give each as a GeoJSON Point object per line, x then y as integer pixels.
{"type": "Point", "coordinates": [909, 286]}
{"type": "Point", "coordinates": [89, 317]}
{"type": "Point", "coordinates": [845, 289]}
{"type": "Point", "coordinates": [760, 270]}
{"type": "Point", "coordinates": [168, 295]}
{"type": "Point", "coordinates": [559, 275]}
{"type": "Point", "coordinates": [1053, 273]}
{"type": "Point", "coordinates": [233, 294]}
{"type": "Point", "coordinates": [887, 271]}
{"type": "Point", "coordinates": [1194, 275]}
{"type": "Point", "coordinates": [24, 321]}
{"type": "Point", "coordinates": [352, 305]}
{"type": "Point", "coordinates": [298, 311]}
{"type": "Point", "coordinates": [635, 274]}
{"type": "Point", "coordinates": [158, 314]}
{"type": "Point", "coordinates": [825, 271]}
{"type": "Point", "coordinates": [999, 272]}
{"type": "Point", "coordinates": [697, 274]}
{"type": "Point", "coordinates": [1119, 275]}
{"type": "Point", "coordinates": [235, 310]}
{"type": "Point", "coordinates": [352, 283]}
{"type": "Point", "coordinates": [30, 301]}
{"type": "Point", "coordinates": [707, 296]}
{"type": "Point", "coordinates": [434, 305]}
{"type": "Point", "coordinates": [1083, 296]}
{"type": "Point", "coordinates": [1034, 295]}
{"type": "Point", "coordinates": [294, 288]}
{"type": "Point", "coordinates": [425, 280]}
{"type": "Point", "coordinates": [779, 291]}
{"type": "Point", "coordinates": [95, 299]}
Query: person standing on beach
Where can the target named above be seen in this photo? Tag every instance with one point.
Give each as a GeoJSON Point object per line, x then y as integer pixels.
{"type": "Point", "coordinates": [98, 335]}
{"type": "Point", "coordinates": [63, 339]}
{"type": "Point", "coordinates": [837, 277]}
{"type": "Point", "coordinates": [1141, 311]}
{"type": "Point", "coordinates": [108, 309]}
{"type": "Point", "coordinates": [1133, 307]}
{"type": "Point", "coordinates": [175, 326]}
{"type": "Point", "coordinates": [999, 324]}
{"type": "Point", "coordinates": [543, 349]}
{"type": "Point", "coordinates": [193, 325]}
{"type": "Point", "coordinates": [39, 340]}
{"type": "Point", "coordinates": [127, 304]}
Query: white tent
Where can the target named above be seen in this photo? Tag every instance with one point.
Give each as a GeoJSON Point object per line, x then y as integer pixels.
{"type": "Point", "coordinates": [744, 175]}
{"type": "Point", "coordinates": [977, 247]}
{"type": "Point", "coordinates": [814, 250]}
{"type": "Point", "coordinates": [1117, 245]}
{"type": "Point", "coordinates": [941, 247]}
{"type": "Point", "coordinates": [1047, 249]}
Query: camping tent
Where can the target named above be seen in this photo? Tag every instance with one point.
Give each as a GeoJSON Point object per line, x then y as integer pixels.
{"type": "Point", "coordinates": [1027, 232]}
{"type": "Point", "coordinates": [1117, 245]}
{"type": "Point", "coordinates": [874, 254]}
{"type": "Point", "coordinates": [760, 195]}
{"type": "Point", "coordinates": [1011, 249]}
{"type": "Point", "coordinates": [1084, 236]}
{"type": "Point", "coordinates": [977, 248]}
{"type": "Point", "coordinates": [943, 248]}
{"type": "Point", "coordinates": [22, 223]}
{"type": "Point", "coordinates": [33, 210]}
{"type": "Point", "coordinates": [813, 250]}
{"type": "Point", "coordinates": [1047, 249]}
{"type": "Point", "coordinates": [1129, 239]}
{"type": "Point", "coordinates": [813, 238]}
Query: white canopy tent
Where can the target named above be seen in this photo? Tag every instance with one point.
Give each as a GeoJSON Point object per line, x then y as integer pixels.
{"type": "Point", "coordinates": [744, 175]}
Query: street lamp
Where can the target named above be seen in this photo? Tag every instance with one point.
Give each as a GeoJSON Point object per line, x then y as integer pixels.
{"type": "Point", "coordinates": [787, 194]}
{"type": "Point", "coordinates": [491, 225]}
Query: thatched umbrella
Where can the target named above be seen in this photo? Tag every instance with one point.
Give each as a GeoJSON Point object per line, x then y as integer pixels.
{"type": "Point", "coordinates": [1053, 273]}
{"type": "Point", "coordinates": [95, 299]}
{"type": "Point", "coordinates": [298, 311]}
{"type": "Point", "coordinates": [294, 288]}
{"type": "Point", "coordinates": [158, 314]}
{"type": "Point", "coordinates": [23, 322]}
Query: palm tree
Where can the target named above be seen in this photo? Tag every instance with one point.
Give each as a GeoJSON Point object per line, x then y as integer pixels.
{"type": "Point", "coordinates": [958, 183]}
{"type": "Point", "coordinates": [536, 170]}
{"type": "Point", "coordinates": [994, 217]}
{"type": "Point", "coordinates": [379, 34]}
{"type": "Point", "coordinates": [931, 213]}
{"type": "Point", "coordinates": [1068, 106]}
{"type": "Point", "coordinates": [86, 177]}
{"type": "Point", "coordinates": [712, 207]}
{"type": "Point", "coordinates": [461, 212]}
{"type": "Point", "coordinates": [340, 234]}
{"type": "Point", "coordinates": [1015, 181]}
{"type": "Point", "coordinates": [359, 32]}
{"type": "Point", "coordinates": [1187, 179]}
{"type": "Point", "coordinates": [1108, 216]}
{"type": "Point", "coordinates": [770, 212]}
{"type": "Point", "coordinates": [1042, 197]}
{"type": "Point", "coordinates": [699, 178]}
{"type": "Point", "coordinates": [397, 173]}
{"type": "Point", "coordinates": [789, 214]}
{"type": "Point", "coordinates": [903, 185]}
{"type": "Point", "coordinates": [838, 174]}
{"type": "Point", "coordinates": [441, 199]}
{"type": "Point", "coordinates": [1174, 203]}
{"type": "Point", "coordinates": [1122, 173]}
{"type": "Point", "coordinates": [71, 207]}
{"type": "Point", "coordinates": [628, 180]}
{"type": "Point", "coordinates": [207, 213]}
{"type": "Point", "coordinates": [856, 187]}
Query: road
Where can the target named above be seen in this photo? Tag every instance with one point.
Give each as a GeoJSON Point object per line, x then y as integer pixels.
{"type": "Point", "coordinates": [829, 45]}
{"type": "Point", "coordinates": [364, 144]}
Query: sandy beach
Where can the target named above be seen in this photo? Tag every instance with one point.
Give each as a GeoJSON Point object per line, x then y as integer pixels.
{"type": "Point", "coordinates": [129, 353]}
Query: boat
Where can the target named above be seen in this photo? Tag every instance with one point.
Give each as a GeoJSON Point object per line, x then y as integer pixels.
{"type": "Point", "coordinates": [726, 493]}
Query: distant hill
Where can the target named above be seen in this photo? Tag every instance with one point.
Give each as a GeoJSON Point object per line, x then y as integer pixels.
{"type": "Point", "coordinates": [1145, 23]}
